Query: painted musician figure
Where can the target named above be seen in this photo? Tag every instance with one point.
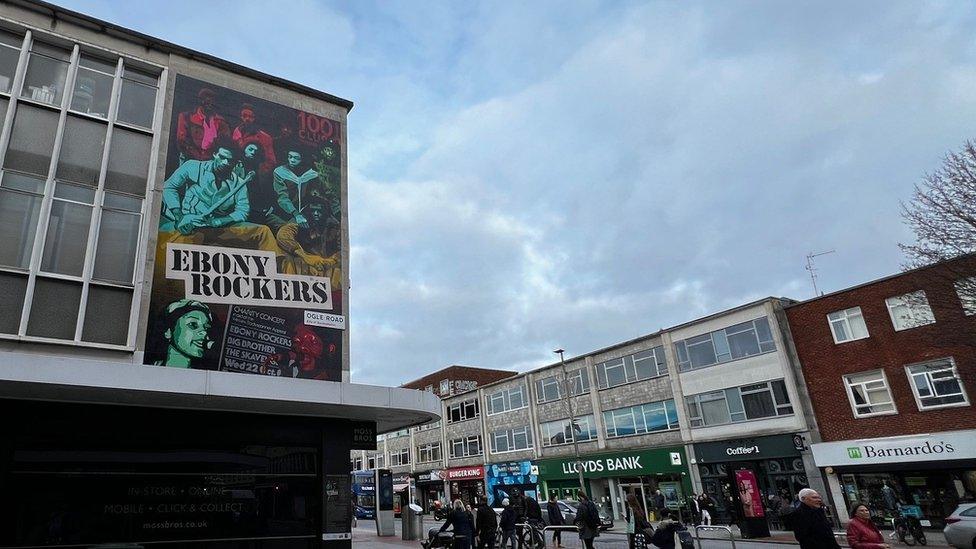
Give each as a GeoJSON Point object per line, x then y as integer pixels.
{"type": "Point", "coordinates": [302, 359]}
{"type": "Point", "coordinates": [313, 249]}
{"type": "Point", "coordinates": [187, 333]}
{"type": "Point", "coordinates": [205, 202]}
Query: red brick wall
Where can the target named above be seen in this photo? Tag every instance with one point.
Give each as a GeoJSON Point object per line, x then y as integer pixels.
{"type": "Point", "coordinates": [478, 376]}
{"type": "Point", "coordinates": [824, 362]}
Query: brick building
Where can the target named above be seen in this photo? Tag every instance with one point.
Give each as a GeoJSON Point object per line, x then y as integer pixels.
{"type": "Point", "coordinates": [457, 379]}
{"type": "Point", "coordinates": [890, 366]}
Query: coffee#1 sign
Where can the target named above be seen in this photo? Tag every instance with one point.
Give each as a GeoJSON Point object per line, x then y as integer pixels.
{"type": "Point", "coordinates": [248, 273]}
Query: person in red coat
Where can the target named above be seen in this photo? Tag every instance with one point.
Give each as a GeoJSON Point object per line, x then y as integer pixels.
{"type": "Point", "coordinates": [861, 531]}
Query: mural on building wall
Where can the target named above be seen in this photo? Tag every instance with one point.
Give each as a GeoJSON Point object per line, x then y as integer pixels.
{"type": "Point", "coordinates": [248, 262]}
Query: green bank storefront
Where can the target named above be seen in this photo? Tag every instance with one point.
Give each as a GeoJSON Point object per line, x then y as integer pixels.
{"type": "Point", "coordinates": [609, 477]}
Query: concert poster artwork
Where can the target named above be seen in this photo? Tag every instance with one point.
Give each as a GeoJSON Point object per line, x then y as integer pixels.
{"type": "Point", "coordinates": [248, 272]}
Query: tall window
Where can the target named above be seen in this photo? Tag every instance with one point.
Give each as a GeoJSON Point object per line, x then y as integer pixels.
{"type": "Point", "coordinates": [732, 343]}
{"type": "Point", "coordinates": [429, 452]}
{"type": "Point", "coordinates": [869, 394]}
{"type": "Point", "coordinates": [847, 325]}
{"type": "Point", "coordinates": [547, 389]}
{"type": "Point", "coordinates": [505, 400]}
{"type": "Point", "coordinates": [400, 457]}
{"type": "Point", "coordinates": [638, 366]}
{"type": "Point", "coordinates": [644, 418]}
{"type": "Point", "coordinates": [466, 446]}
{"type": "Point", "coordinates": [461, 411]}
{"type": "Point", "coordinates": [755, 401]}
{"type": "Point", "coordinates": [936, 384]}
{"type": "Point", "coordinates": [564, 431]}
{"type": "Point", "coordinates": [75, 166]}
{"type": "Point", "coordinates": [910, 310]}
{"type": "Point", "coordinates": [510, 440]}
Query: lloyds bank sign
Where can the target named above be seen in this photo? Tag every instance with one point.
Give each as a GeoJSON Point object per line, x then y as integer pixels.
{"type": "Point", "coordinates": [639, 463]}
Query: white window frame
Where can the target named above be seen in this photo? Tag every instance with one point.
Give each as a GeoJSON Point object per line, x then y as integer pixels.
{"type": "Point", "coordinates": [425, 452]}
{"type": "Point", "coordinates": [681, 346]}
{"type": "Point", "coordinates": [578, 382]}
{"type": "Point", "coordinates": [14, 98]}
{"type": "Point", "coordinates": [846, 320]}
{"type": "Point", "coordinates": [914, 321]}
{"type": "Point", "coordinates": [964, 287]}
{"type": "Point", "coordinates": [504, 397]}
{"type": "Point", "coordinates": [849, 388]}
{"type": "Point", "coordinates": [550, 429]}
{"type": "Point", "coordinates": [547, 383]}
{"type": "Point", "coordinates": [465, 443]}
{"type": "Point", "coordinates": [508, 435]}
{"type": "Point", "coordinates": [928, 376]}
{"type": "Point", "coordinates": [462, 408]}
{"type": "Point", "coordinates": [638, 412]}
{"type": "Point", "coordinates": [445, 387]}
{"type": "Point", "coordinates": [400, 458]}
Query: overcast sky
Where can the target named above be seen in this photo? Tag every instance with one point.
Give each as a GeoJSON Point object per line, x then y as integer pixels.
{"type": "Point", "coordinates": [531, 175]}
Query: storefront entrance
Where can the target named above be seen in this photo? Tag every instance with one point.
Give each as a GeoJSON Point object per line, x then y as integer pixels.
{"type": "Point", "coordinates": [773, 461]}
{"type": "Point", "coordinates": [466, 484]}
{"type": "Point", "coordinates": [925, 475]}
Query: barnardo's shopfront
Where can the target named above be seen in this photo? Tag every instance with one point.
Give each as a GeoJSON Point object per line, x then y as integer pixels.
{"type": "Point", "coordinates": [610, 477]}
{"type": "Point", "coordinates": [502, 478]}
{"type": "Point", "coordinates": [925, 475]}
{"type": "Point", "coordinates": [769, 464]}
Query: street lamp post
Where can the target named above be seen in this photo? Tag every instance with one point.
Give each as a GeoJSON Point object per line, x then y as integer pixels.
{"type": "Point", "coordinates": [572, 418]}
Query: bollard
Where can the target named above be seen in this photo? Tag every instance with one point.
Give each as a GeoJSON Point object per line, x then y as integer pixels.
{"type": "Point", "coordinates": [720, 528]}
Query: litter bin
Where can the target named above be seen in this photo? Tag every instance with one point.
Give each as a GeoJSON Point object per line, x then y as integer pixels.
{"type": "Point", "coordinates": [411, 522]}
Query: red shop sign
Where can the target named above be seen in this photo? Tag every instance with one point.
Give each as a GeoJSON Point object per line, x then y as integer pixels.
{"type": "Point", "coordinates": [462, 473]}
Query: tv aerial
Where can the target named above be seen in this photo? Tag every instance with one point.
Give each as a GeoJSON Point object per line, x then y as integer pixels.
{"type": "Point", "coordinates": [813, 269]}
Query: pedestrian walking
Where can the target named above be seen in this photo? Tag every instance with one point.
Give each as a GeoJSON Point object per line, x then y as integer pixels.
{"type": "Point", "coordinates": [587, 520]}
{"type": "Point", "coordinates": [862, 533]}
{"type": "Point", "coordinates": [637, 523]}
{"type": "Point", "coordinates": [707, 506]}
{"type": "Point", "coordinates": [659, 504]}
{"type": "Point", "coordinates": [555, 519]}
{"type": "Point", "coordinates": [811, 527]}
{"type": "Point", "coordinates": [666, 529]}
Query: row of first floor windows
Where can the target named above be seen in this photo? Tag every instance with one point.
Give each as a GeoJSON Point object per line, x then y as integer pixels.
{"type": "Point", "coordinates": [934, 384]}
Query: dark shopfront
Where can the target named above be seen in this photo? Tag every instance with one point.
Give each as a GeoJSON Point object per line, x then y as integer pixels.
{"type": "Point", "coordinates": [740, 475]}
{"type": "Point", "coordinates": [430, 488]}
{"type": "Point", "coordinates": [80, 474]}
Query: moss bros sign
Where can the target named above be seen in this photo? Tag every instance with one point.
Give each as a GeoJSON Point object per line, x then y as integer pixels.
{"type": "Point", "coordinates": [933, 447]}
{"type": "Point", "coordinates": [647, 462]}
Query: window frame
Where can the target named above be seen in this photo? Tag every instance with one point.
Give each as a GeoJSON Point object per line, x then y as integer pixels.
{"type": "Point", "coordinates": [465, 443]}
{"type": "Point", "coordinates": [968, 303]}
{"type": "Point", "coordinates": [638, 414]}
{"type": "Point", "coordinates": [544, 384]}
{"type": "Point", "coordinates": [63, 110]}
{"type": "Point", "coordinates": [894, 320]}
{"type": "Point", "coordinates": [697, 421]}
{"type": "Point", "coordinates": [509, 436]}
{"type": "Point", "coordinates": [430, 449]}
{"type": "Point", "coordinates": [505, 397]}
{"type": "Point", "coordinates": [847, 323]}
{"type": "Point", "coordinates": [400, 458]}
{"type": "Point", "coordinates": [685, 362]}
{"type": "Point", "coordinates": [849, 389]}
{"type": "Point", "coordinates": [930, 380]}
{"type": "Point", "coordinates": [587, 424]}
{"type": "Point", "coordinates": [631, 370]}
{"type": "Point", "coordinates": [462, 409]}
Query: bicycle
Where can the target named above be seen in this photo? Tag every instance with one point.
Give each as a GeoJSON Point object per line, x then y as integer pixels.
{"type": "Point", "coordinates": [907, 529]}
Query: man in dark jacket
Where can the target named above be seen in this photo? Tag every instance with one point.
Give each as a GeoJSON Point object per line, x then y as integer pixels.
{"type": "Point", "coordinates": [533, 511]}
{"type": "Point", "coordinates": [460, 518]}
{"type": "Point", "coordinates": [555, 519]}
{"type": "Point", "coordinates": [507, 523]}
{"type": "Point", "coordinates": [811, 526]}
{"type": "Point", "coordinates": [487, 524]}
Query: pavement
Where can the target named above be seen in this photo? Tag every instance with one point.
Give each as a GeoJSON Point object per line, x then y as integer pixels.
{"type": "Point", "coordinates": [364, 537]}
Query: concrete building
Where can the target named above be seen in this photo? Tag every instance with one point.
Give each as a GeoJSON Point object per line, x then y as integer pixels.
{"type": "Point", "coordinates": [683, 410]}
{"type": "Point", "coordinates": [174, 365]}
{"type": "Point", "coordinates": [890, 366]}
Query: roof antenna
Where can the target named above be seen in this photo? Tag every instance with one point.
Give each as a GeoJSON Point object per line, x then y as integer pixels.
{"type": "Point", "coordinates": [813, 270]}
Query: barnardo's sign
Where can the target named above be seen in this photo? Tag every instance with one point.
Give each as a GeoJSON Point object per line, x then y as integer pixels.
{"type": "Point", "coordinates": [908, 449]}
{"type": "Point", "coordinates": [646, 462]}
